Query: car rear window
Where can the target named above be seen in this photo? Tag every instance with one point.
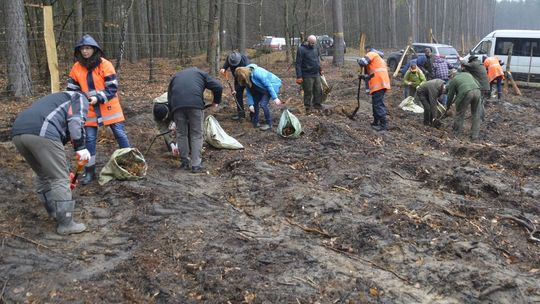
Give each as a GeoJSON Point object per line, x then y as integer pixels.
{"type": "Point", "coordinates": [448, 51]}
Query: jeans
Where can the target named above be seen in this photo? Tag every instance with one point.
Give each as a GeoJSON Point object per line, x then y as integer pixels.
{"type": "Point", "coordinates": [262, 102]}
{"type": "Point", "coordinates": [239, 98]}
{"type": "Point", "coordinates": [119, 132]}
{"type": "Point", "coordinates": [378, 107]}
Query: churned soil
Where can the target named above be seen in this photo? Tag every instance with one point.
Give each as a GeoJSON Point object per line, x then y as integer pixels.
{"type": "Point", "coordinates": [342, 214]}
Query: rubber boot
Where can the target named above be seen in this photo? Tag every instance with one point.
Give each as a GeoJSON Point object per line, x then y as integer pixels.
{"type": "Point", "coordinates": [89, 174]}
{"type": "Point", "coordinates": [499, 95]}
{"type": "Point", "coordinates": [64, 218]}
{"type": "Point", "coordinates": [48, 204]}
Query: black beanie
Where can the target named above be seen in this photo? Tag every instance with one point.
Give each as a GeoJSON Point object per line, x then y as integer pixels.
{"type": "Point", "coordinates": [161, 111]}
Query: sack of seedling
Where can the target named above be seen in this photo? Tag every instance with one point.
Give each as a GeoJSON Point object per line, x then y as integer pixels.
{"type": "Point", "coordinates": [289, 126]}
{"type": "Point", "coordinates": [215, 136]}
{"type": "Point", "coordinates": [124, 164]}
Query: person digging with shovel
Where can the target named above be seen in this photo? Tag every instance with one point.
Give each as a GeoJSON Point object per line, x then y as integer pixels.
{"type": "Point", "coordinates": [234, 61]}
{"type": "Point", "coordinates": [379, 83]}
{"type": "Point", "coordinates": [39, 133]}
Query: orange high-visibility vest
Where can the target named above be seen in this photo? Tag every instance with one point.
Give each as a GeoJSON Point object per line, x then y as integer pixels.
{"type": "Point", "coordinates": [378, 72]}
{"type": "Point", "coordinates": [111, 111]}
{"type": "Point", "coordinates": [494, 68]}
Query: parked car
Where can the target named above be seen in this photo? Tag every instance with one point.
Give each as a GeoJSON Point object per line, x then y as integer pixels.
{"type": "Point", "coordinates": [271, 42]}
{"type": "Point", "coordinates": [326, 45]}
{"type": "Point", "coordinates": [445, 51]}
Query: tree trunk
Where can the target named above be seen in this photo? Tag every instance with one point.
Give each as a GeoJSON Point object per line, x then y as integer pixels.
{"type": "Point", "coordinates": [78, 18]}
{"type": "Point", "coordinates": [132, 39]}
{"type": "Point", "coordinates": [151, 72]}
{"type": "Point", "coordinates": [213, 36]}
{"type": "Point", "coordinates": [124, 20]}
{"type": "Point", "coordinates": [338, 59]}
{"type": "Point", "coordinates": [241, 26]}
{"type": "Point", "coordinates": [19, 78]}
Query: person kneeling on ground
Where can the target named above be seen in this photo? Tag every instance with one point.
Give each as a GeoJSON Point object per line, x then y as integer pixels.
{"type": "Point", "coordinates": [185, 95]}
{"type": "Point", "coordinates": [163, 121]}
{"type": "Point", "coordinates": [261, 86]}
{"type": "Point", "coordinates": [39, 133]}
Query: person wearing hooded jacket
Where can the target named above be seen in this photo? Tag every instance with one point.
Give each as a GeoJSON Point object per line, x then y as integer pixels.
{"type": "Point", "coordinates": [39, 133]}
{"type": "Point", "coordinates": [262, 86]}
{"type": "Point", "coordinates": [235, 60]}
{"type": "Point", "coordinates": [95, 76]}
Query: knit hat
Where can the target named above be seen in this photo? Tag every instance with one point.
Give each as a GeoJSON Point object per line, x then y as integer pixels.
{"type": "Point", "coordinates": [161, 111]}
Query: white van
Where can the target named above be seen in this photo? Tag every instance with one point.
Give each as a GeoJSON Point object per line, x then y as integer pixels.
{"type": "Point", "coordinates": [525, 62]}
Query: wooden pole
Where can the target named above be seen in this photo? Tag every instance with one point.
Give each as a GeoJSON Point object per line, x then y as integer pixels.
{"type": "Point", "coordinates": [462, 44]}
{"type": "Point", "coordinates": [50, 48]}
{"type": "Point", "coordinates": [401, 61]}
{"type": "Point", "coordinates": [430, 35]}
{"type": "Point", "coordinates": [510, 77]}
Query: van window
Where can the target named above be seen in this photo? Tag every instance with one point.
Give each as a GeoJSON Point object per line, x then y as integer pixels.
{"type": "Point", "coordinates": [502, 46]}
{"type": "Point", "coordinates": [535, 44]}
{"type": "Point", "coordinates": [483, 48]}
{"type": "Point", "coordinates": [522, 46]}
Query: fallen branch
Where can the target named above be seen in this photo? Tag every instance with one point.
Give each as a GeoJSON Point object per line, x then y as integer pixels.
{"type": "Point", "coordinates": [411, 179]}
{"type": "Point", "coordinates": [24, 238]}
{"type": "Point", "coordinates": [354, 257]}
{"type": "Point", "coordinates": [307, 282]}
{"type": "Point", "coordinates": [3, 289]}
{"type": "Point", "coordinates": [492, 289]}
{"type": "Point", "coordinates": [528, 224]}
{"type": "Point", "coordinates": [310, 230]}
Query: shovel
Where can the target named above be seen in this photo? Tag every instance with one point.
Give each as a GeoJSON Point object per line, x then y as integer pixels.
{"type": "Point", "coordinates": [353, 114]}
{"type": "Point", "coordinates": [154, 139]}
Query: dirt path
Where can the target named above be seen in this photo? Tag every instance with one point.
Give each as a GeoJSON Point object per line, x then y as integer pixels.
{"type": "Point", "coordinates": [341, 215]}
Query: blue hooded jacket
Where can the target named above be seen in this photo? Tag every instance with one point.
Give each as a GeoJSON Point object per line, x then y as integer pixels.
{"type": "Point", "coordinates": [265, 81]}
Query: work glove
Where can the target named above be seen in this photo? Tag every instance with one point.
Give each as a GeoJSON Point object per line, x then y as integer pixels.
{"type": "Point", "coordinates": [299, 80]}
{"type": "Point", "coordinates": [233, 93]}
{"type": "Point", "coordinates": [252, 109]}
{"type": "Point", "coordinates": [174, 149]}
{"type": "Point", "coordinates": [222, 71]}
{"type": "Point", "coordinates": [278, 102]}
{"type": "Point", "coordinates": [83, 155]}
{"type": "Point", "coordinates": [172, 126]}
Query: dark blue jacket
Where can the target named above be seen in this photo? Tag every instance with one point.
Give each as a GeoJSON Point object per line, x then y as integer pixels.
{"type": "Point", "coordinates": [307, 61]}
{"type": "Point", "coordinates": [187, 87]}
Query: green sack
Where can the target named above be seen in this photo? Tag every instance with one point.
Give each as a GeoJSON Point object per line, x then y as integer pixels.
{"type": "Point", "coordinates": [289, 125]}
{"type": "Point", "coordinates": [124, 164]}
{"type": "Point", "coordinates": [215, 136]}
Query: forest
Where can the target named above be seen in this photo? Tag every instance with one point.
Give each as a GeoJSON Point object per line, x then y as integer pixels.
{"type": "Point", "coordinates": [143, 29]}
{"type": "Point", "coordinates": [341, 214]}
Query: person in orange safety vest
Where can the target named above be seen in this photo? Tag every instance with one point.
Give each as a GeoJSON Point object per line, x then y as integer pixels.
{"type": "Point", "coordinates": [379, 83]}
{"type": "Point", "coordinates": [495, 73]}
{"type": "Point", "coordinates": [95, 76]}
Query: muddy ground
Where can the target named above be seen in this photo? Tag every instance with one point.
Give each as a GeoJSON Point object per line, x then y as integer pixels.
{"type": "Point", "coordinates": [341, 215]}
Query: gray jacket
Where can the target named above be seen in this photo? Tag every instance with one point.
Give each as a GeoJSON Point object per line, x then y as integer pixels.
{"type": "Point", "coordinates": [58, 116]}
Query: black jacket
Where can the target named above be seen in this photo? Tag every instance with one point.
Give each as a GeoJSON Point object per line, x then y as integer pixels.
{"type": "Point", "coordinates": [307, 61]}
{"type": "Point", "coordinates": [187, 87]}
{"type": "Point", "coordinates": [59, 116]}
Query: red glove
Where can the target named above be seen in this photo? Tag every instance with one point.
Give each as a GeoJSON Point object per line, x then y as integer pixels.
{"type": "Point", "coordinates": [72, 180]}
{"type": "Point", "coordinates": [299, 80]}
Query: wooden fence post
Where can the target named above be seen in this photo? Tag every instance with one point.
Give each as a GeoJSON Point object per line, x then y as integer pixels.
{"type": "Point", "coordinates": [50, 48]}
